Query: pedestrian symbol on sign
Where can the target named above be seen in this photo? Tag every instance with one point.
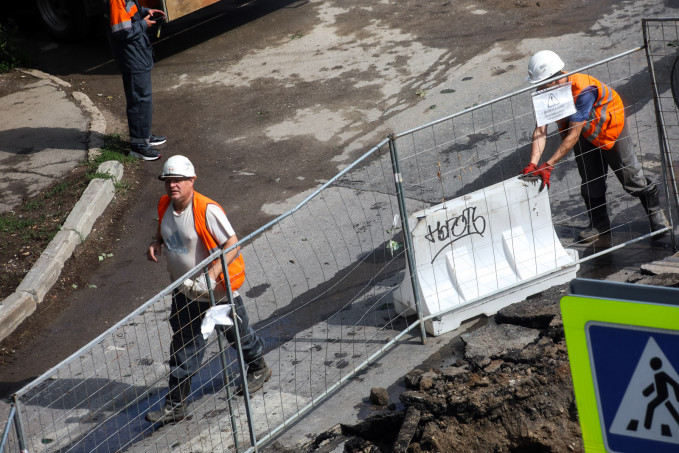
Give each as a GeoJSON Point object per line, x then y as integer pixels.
{"type": "Point", "coordinates": [650, 405]}
{"type": "Point", "coordinates": [660, 388]}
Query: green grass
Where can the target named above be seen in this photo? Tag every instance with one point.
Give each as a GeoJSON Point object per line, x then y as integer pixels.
{"type": "Point", "coordinates": [27, 222]}
{"type": "Point", "coordinates": [9, 58]}
{"type": "Point", "coordinates": [28, 229]}
{"type": "Point", "coordinates": [11, 223]}
{"type": "Point", "coordinates": [57, 190]}
{"type": "Point", "coordinates": [33, 205]}
{"type": "Point", "coordinates": [122, 187]}
{"type": "Point", "coordinates": [115, 148]}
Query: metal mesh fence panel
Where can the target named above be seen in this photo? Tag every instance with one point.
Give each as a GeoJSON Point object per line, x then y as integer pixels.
{"type": "Point", "coordinates": [457, 164]}
{"type": "Point", "coordinates": [490, 143]}
{"type": "Point", "coordinates": [317, 291]}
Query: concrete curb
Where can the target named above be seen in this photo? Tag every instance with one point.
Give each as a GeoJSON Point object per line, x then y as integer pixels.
{"type": "Point", "coordinates": [78, 225]}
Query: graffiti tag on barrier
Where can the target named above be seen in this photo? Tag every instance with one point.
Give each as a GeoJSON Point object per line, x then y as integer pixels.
{"type": "Point", "coordinates": [451, 230]}
{"type": "Point", "coordinates": [466, 224]}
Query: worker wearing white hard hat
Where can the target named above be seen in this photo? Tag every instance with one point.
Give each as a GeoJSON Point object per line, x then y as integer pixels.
{"type": "Point", "coordinates": [177, 167]}
{"type": "Point", "coordinates": [544, 65]}
{"type": "Point", "coordinates": [598, 136]}
{"type": "Point", "coordinates": [190, 228]}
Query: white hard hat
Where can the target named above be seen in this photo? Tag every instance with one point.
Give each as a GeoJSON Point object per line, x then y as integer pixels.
{"type": "Point", "coordinates": [177, 167]}
{"type": "Point", "coordinates": [543, 65]}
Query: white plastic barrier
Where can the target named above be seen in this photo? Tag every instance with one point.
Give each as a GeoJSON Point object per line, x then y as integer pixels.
{"type": "Point", "coordinates": [481, 252]}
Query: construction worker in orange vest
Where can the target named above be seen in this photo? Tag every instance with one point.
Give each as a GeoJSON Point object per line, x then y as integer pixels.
{"type": "Point", "coordinates": [131, 45]}
{"type": "Point", "coordinates": [598, 136]}
{"type": "Point", "coordinates": [191, 227]}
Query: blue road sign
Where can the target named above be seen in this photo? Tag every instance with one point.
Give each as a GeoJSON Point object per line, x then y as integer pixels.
{"type": "Point", "coordinates": [636, 386]}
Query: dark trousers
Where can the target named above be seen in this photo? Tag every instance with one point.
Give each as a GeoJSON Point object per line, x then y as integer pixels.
{"type": "Point", "coordinates": [187, 347]}
{"type": "Point", "coordinates": [139, 108]}
{"type": "Point", "coordinates": [593, 164]}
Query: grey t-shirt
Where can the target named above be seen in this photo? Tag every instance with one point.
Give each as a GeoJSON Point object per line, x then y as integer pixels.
{"type": "Point", "coordinates": [184, 247]}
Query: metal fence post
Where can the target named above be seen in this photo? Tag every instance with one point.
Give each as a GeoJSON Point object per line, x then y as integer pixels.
{"type": "Point", "coordinates": [241, 359]}
{"type": "Point", "coordinates": [665, 156]}
{"type": "Point", "coordinates": [407, 239]}
{"type": "Point", "coordinates": [18, 425]}
{"type": "Point", "coordinates": [8, 426]}
{"type": "Point", "coordinates": [225, 364]}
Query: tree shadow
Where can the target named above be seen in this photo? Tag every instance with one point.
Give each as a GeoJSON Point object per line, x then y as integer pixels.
{"type": "Point", "coordinates": [24, 141]}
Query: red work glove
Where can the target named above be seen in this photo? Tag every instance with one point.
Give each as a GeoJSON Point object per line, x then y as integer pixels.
{"type": "Point", "coordinates": [530, 168]}
{"type": "Point", "coordinates": [544, 172]}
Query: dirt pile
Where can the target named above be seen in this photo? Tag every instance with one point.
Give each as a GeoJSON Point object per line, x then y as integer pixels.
{"type": "Point", "coordinates": [512, 391]}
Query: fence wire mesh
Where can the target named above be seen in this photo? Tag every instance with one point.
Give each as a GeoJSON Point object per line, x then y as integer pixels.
{"type": "Point", "coordinates": [317, 290]}
{"type": "Point", "coordinates": [490, 143]}
{"type": "Point", "coordinates": [661, 37]}
{"type": "Point", "coordinates": [320, 282]}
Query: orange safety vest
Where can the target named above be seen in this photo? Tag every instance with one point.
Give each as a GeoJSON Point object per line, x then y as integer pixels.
{"type": "Point", "coordinates": [200, 202]}
{"type": "Point", "coordinates": [607, 117]}
{"type": "Point", "coordinates": [121, 13]}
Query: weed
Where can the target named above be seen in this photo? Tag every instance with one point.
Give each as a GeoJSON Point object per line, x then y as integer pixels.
{"type": "Point", "coordinates": [28, 229]}
{"type": "Point", "coordinates": [57, 190]}
{"type": "Point", "coordinates": [99, 175]}
{"type": "Point", "coordinates": [122, 187]}
{"type": "Point", "coordinates": [34, 205]}
{"type": "Point", "coordinates": [11, 223]}
{"type": "Point", "coordinates": [115, 148]}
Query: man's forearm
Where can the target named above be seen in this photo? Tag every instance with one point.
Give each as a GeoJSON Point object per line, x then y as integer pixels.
{"type": "Point", "coordinates": [568, 142]}
{"type": "Point", "coordinates": [538, 144]}
{"type": "Point", "coordinates": [215, 268]}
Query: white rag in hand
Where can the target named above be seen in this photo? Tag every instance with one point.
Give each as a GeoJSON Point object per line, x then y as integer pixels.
{"type": "Point", "coordinates": [218, 315]}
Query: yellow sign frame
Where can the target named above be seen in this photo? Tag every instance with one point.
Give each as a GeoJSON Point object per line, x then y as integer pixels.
{"type": "Point", "coordinates": [577, 312]}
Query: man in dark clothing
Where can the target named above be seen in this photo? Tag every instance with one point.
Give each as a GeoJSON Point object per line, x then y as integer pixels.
{"type": "Point", "coordinates": [127, 31]}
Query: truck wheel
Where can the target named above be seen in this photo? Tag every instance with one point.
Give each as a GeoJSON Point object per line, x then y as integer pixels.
{"type": "Point", "coordinates": [65, 19]}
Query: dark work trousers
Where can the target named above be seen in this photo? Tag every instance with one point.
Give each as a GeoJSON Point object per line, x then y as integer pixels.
{"type": "Point", "coordinates": [188, 346]}
{"type": "Point", "coordinates": [139, 108]}
{"type": "Point", "coordinates": [593, 164]}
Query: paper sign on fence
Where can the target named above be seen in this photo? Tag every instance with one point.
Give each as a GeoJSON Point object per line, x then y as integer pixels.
{"type": "Point", "coordinates": [553, 104]}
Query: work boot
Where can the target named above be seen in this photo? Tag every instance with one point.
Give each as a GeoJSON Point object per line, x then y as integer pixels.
{"type": "Point", "coordinates": [258, 373]}
{"type": "Point", "coordinates": [176, 404]}
{"type": "Point", "coordinates": [599, 223]}
{"type": "Point", "coordinates": [658, 222]}
{"type": "Point", "coordinates": [656, 217]}
{"type": "Point", "coordinates": [168, 414]}
{"type": "Point", "coordinates": [592, 234]}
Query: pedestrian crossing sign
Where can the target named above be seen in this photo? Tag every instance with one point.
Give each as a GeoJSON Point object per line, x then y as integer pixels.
{"type": "Point", "coordinates": [624, 358]}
